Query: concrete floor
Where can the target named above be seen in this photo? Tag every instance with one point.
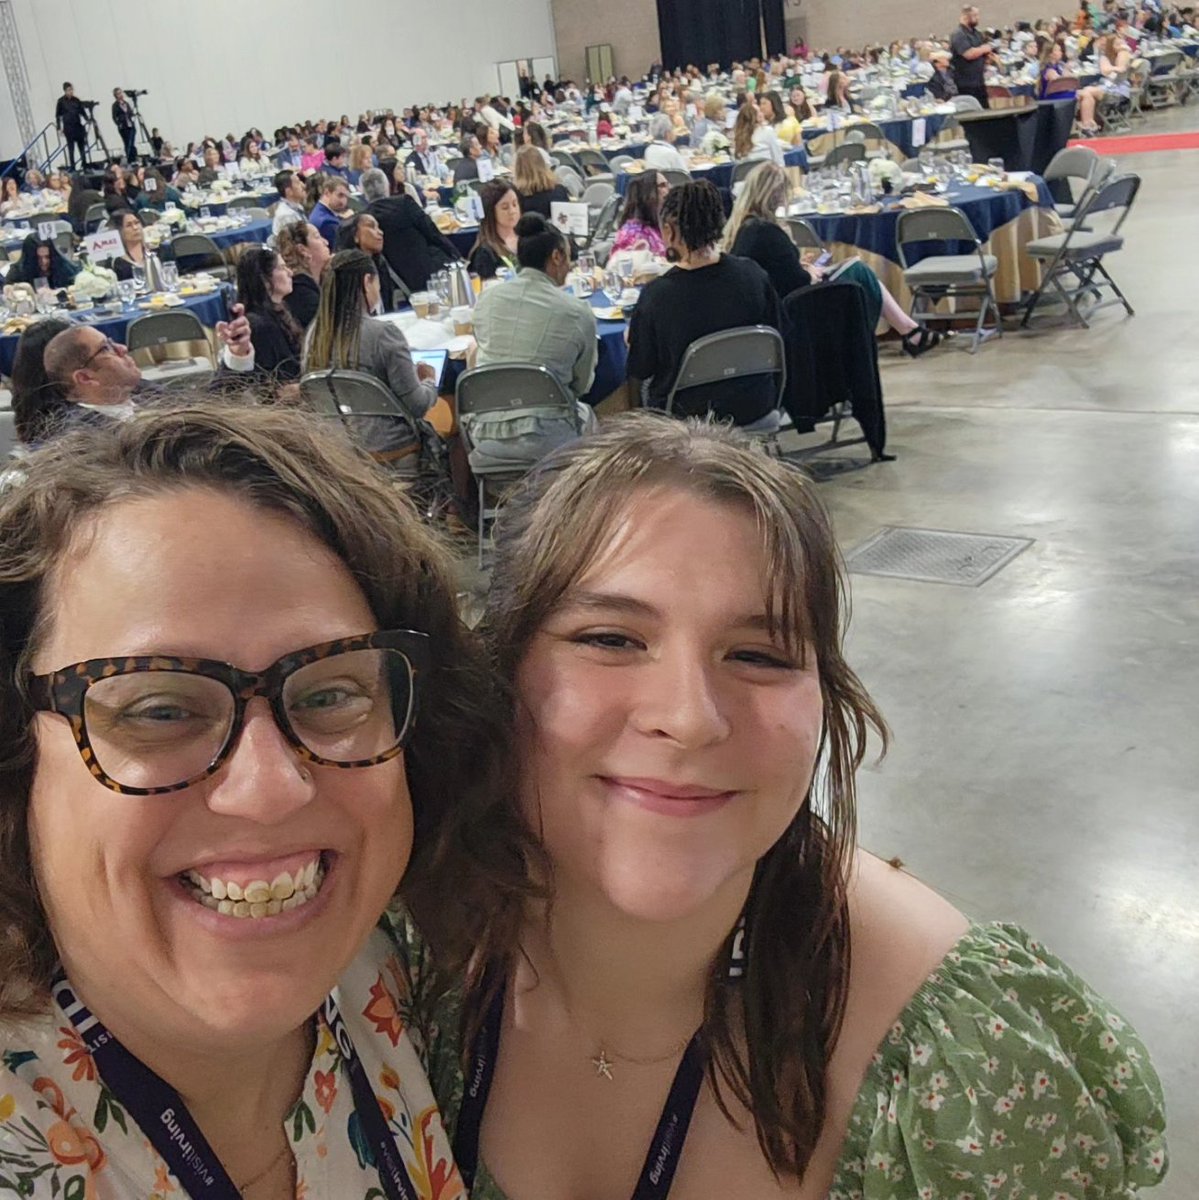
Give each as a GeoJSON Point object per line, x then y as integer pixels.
{"type": "Point", "coordinates": [1046, 725]}
{"type": "Point", "coordinates": [1046, 746]}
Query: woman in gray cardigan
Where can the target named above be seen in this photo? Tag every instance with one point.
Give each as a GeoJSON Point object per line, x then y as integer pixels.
{"type": "Point", "coordinates": [345, 334]}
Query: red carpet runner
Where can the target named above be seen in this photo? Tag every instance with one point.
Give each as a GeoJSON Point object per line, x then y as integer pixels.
{"type": "Point", "coordinates": [1140, 145]}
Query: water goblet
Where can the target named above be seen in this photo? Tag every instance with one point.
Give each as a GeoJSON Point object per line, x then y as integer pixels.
{"type": "Point", "coordinates": [127, 290]}
{"type": "Point", "coordinates": [139, 277]}
{"type": "Point", "coordinates": [170, 276]}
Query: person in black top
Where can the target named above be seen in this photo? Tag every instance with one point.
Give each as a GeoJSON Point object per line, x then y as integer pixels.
{"type": "Point", "coordinates": [970, 54]}
{"type": "Point", "coordinates": [301, 246]}
{"type": "Point", "coordinates": [263, 285]}
{"type": "Point", "coordinates": [412, 244]}
{"type": "Point", "coordinates": [68, 116]}
{"type": "Point", "coordinates": [496, 244]}
{"type": "Point", "coordinates": [942, 85]}
{"type": "Point", "coordinates": [42, 260]}
{"type": "Point", "coordinates": [536, 183]}
{"type": "Point", "coordinates": [705, 292]}
{"type": "Point", "coordinates": [362, 232]}
{"type": "Point", "coordinates": [123, 119]}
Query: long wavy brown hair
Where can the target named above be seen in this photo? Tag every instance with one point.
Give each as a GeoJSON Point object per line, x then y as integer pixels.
{"type": "Point", "coordinates": [282, 462]}
{"type": "Point", "coordinates": [771, 1035]}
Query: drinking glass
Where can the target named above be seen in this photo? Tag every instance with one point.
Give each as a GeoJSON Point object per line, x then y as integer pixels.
{"type": "Point", "coordinates": [998, 166]}
{"type": "Point", "coordinates": [925, 159]}
{"type": "Point", "coordinates": [205, 211]}
{"type": "Point", "coordinates": [584, 284]}
{"type": "Point", "coordinates": [587, 265]}
{"type": "Point", "coordinates": [139, 277]}
{"type": "Point", "coordinates": [612, 286]}
{"type": "Point", "coordinates": [170, 276]}
{"type": "Point", "coordinates": [127, 290]}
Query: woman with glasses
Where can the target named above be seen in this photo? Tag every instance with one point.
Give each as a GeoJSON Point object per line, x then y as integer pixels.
{"type": "Point", "coordinates": [211, 790]}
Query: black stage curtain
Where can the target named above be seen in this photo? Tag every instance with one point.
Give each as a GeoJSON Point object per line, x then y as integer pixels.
{"type": "Point", "coordinates": [708, 31]}
{"type": "Point", "coordinates": [775, 27]}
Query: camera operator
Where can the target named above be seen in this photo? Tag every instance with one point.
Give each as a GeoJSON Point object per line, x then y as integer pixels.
{"type": "Point", "coordinates": [124, 120]}
{"type": "Point", "coordinates": [68, 116]}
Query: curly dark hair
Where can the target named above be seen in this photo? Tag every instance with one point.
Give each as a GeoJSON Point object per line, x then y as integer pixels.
{"type": "Point", "coordinates": [283, 462]}
{"type": "Point", "coordinates": [696, 211]}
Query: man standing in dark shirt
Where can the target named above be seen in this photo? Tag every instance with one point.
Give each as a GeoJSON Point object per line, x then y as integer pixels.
{"type": "Point", "coordinates": [122, 118]}
{"type": "Point", "coordinates": [68, 116]}
{"type": "Point", "coordinates": [970, 54]}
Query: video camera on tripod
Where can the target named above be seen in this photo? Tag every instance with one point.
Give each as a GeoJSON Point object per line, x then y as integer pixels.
{"type": "Point", "coordinates": [88, 104]}
{"type": "Point", "coordinates": [133, 93]}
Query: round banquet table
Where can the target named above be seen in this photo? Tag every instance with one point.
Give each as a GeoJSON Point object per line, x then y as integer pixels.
{"type": "Point", "coordinates": [255, 231]}
{"type": "Point", "coordinates": [897, 130]}
{"type": "Point", "coordinates": [209, 308]}
{"type": "Point", "coordinates": [1004, 220]}
{"type": "Point", "coordinates": [721, 175]}
{"type": "Point", "coordinates": [611, 367]}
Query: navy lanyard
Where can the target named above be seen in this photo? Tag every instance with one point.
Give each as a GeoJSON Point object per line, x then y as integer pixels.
{"type": "Point", "coordinates": [163, 1117]}
{"type": "Point", "coordinates": [666, 1148]}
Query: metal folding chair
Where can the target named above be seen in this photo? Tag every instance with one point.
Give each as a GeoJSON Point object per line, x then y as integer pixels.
{"type": "Point", "coordinates": [198, 252]}
{"type": "Point", "coordinates": [620, 162]}
{"type": "Point", "coordinates": [570, 179]}
{"type": "Point", "coordinates": [847, 152]}
{"type": "Point", "coordinates": [948, 275]}
{"type": "Point", "coordinates": [674, 176]}
{"type": "Point", "coordinates": [1074, 162]}
{"type": "Point", "coordinates": [1161, 88]}
{"type": "Point", "coordinates": [564, 158]}
{"type": "Point", "coordinates": [738, 353]}
{"type": "Point", "coordinates": [1078, 253]}
{"type": "Point", "coordinates": [157, 334]}
{"type": "Point", "coordinates": [803, 234]}
{"type": "Point", "coordinates": [595, 166]}
{"type": "Point", "coordinates": [517, 390]}
{"type": "Point", "coordinates": [94, 217]}
{"type": "Point", "coordinates": [743, 170]}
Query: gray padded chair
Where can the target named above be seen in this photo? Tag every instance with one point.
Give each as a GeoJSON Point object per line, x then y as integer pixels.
{"type": "Point", "coordinates": [597, 193]}
{"type": "Point", "coordinates": [803, 234]}
{"type": "Point", "coordinates": [201, 253]}
{"type": "Point", "coordinates": [847, 152]}
{"type": "Point", "coordinates": [156, 332]}
{"type": "Point", "coordinates": [596, 168]}
{"type": "Point", "coordinates": [1074, 162]}
{"type": "Point", "coordinates": [526, 396]}
{"type": "Point", "coordinates": [1075, 257]}
{"type": "Point", "coordinates": [674, 176]}
{"type": "Point", "coordinates": [620, 162]}
{"type": "Point", "coordinates": [743, 170]}
{"type": "Point", "coordinates": [737, 354]}
{"type": "Point", "coordinates": [570, 179]}
{"type": "Point", "coordinates": [948, 275]}
{"type": "Point", "coordinates": [95, 216]}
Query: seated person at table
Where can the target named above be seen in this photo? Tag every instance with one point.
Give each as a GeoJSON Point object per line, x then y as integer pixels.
{"type": "Point", "coordinates": [291, 156]}
{"type": "Point", "coordinates": [467, 167]}
{"type": "Point", "coordinates": [489, 140]}
{"type": "Point", "coordinates": [661, 154]}
{"type": "Point", "coordinates": [96, 378]}
{"type": "Point", "coordinates": [214, 167]}
{"type": "Point", "coordinates": [116, 192]}
{"type": "Point", "coordinates": [801, 108]}
{"type": "Point", "coordinates": [413, 246]}
{"type": "Point", "coordinates": [34, 182]}
{"type": "Point", "coordinates": [536, 183]}
{"type": "Point", "coordinates": [534, 135]}
{"type": "Point", "coordinates": [253, 163]}
{"type": "Point", "coordinates": [37, 404]}
{"type": "Point", "coordinates": [346, 335]}
{"type": "Point", "coordinates": [187, 175]}
{"type": "Point", "coordinates": [639, 229]}
{"type": "Point", "coordinates": [362, 158]}
{"type": "Point", "coordinates": [290, 208]}
{"type": "Point", "coordinates": [336, 162]}
{"type": "Point", "coordinates": [328, 212]}
{"type": "Point", "coordinates": [711, 126]}
{"type": "Point", "coordinates": [943, 86]}
{"type": "Point", "coordinates": [786, 128]}
{"type": "Point", "coordinates": [530, 319]}
{"type": "Point", "coordinates": [838, 93]}
{"type": "Point", "coordinates": [156, 193]}
{"type": "Point", "coordinates": [753, 138]}
{"type": "Point", "coordinates": [362, 232]}
{"type": "Point", "coordinates": [133, 239]}
{"type": "Point", "coordinates": [425, 160]}
{"type": "Point", "coordinates": [307, 254]}
{"type": "Point", "coordinates": [313, 157]}
{"type": "Point", "coordinates": [705, 292]}
{"type": "Point", "coordinates": [495, 245]}
{"type": "Point", "coordinates": [41, 260]}
{"type": "Point", "coordinates": [12, 195]}
{"type": "Point", "coordinates": [264, 282]}
{"type": "Point", "coordinates": [753, 232]}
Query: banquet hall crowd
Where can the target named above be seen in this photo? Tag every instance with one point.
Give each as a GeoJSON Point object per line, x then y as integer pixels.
{"type": "Point", "coordinates": [308, 889]}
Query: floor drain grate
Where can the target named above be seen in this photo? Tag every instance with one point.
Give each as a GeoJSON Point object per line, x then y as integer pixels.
{"type": "Point", "coordinates": [934, 555]}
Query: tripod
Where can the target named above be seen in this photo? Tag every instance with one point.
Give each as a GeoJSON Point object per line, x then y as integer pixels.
{"type": "Point", "coordinates": [132, 95]}
{"type": "Point", "coordinates": [97, 136]}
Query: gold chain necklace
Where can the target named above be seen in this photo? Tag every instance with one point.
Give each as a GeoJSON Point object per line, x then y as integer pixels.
{"type": "Point", "coordinates": [606, 1059]}
{"type": "Point", "coordinates": [245, 1187]}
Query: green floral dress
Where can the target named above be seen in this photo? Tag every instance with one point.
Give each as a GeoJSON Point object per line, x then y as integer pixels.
{"type": "Point", "coordinates": [1006, 1077]}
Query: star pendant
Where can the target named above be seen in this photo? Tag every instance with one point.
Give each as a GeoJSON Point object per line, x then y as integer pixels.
{"type": "Point", "coordinates": [602, 1065]}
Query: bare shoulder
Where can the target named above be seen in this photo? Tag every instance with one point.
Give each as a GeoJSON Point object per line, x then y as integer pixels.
{"type": "Point", "coordinates": [900, 931]}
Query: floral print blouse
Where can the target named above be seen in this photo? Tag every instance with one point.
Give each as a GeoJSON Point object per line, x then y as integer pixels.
{"type": "Point", "coordinates": [64, 1135]}
{"type": "Point", "coordinates": [635, 235]}
{"type": "Point", "coordinates": [1005, 1078]}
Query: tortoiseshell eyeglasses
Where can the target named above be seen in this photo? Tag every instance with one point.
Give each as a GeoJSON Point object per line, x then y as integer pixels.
{"type": "Point", "coordinates": [153, 724]}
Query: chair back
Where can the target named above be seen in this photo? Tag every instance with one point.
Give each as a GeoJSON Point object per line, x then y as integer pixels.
{"type": "Point", "coordinates": [1074, 162]}
{"type": "Point", "coordinates": [1064, 84]}
{"type": "Point", "coordinates": [8, 434]}
{"type": "Point", "coordinates": [196, 246]}
{"type": "Point", "coordinates": [620, 162]}
{"type": "Point", "coordinates": [357, 205]}
{"type": "Point", "coordinates": [147, 216]}
{"type": "Point", "coordinates": [1118, 193]}
{"type": "Point", "coordinates": [507, 154]}
{"type": "Point", "coordinates": [571, 180]}
{"type": "Point", "coordinates": [744, 169]}
{"type": "Point", "coordinates": [243, 202]}
{"type": "Point", "coordinates": [847, 152]}
{"type": "Point", "coordinates": [967, 104]}
{"type": "Point", "coordinates": [339, 392]}
{"type": "Point", "coordinates": [598, 194]}
{"type": "Point", "coordinates": [451, 163]}
{"type": "Point", "coordinates": [605, 222]}
{"type": "Point", "coordinates": [95, 216]}
{"type": "Point", "coordinates": [592, 161]}
{"type": "Point", "coordinates": [564, 158]}
{"type": "Point", "coordinates": [501, 387]}
{"type": "Point", "coordinates": [933, 225]}
{"type": "Point", "coordinates": [160, 329]}
{"type": "Point", "coordinates": [732, 354]}
{"type": "Point", "coordinates": [804, 234]}
{"type": "Point", "coordinates": [674, 176]}
{"type": "Point", "coordinates": [1164, 63]}
{"type": "Point", "coordinates": [260, 214]}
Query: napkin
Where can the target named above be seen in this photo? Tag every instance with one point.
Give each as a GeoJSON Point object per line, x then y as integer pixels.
{"type": "Point", "coordinates": [1021, 185]}
{"type": "Point", "coordinates": [864, 210]}
{"type": "Point", "coordinates": [923, 200]}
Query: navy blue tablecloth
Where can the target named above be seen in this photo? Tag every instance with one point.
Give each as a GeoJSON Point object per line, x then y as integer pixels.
{"type": "Point", "coordinates": [897, 130]}
{"type": "Point", "coordinates": [210, 309]}
{"type": "Point", "coordinates": [611, 368]}
{"type": "Point", "coordinates": [986, 209]}
{"type": "Point", "coordinates": [255, 231]}
{"type": "Point", "coordinates": [721, 176]}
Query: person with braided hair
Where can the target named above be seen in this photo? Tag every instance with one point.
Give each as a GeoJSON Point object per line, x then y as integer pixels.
{"type": "Point", "coordinates": [704, 292]}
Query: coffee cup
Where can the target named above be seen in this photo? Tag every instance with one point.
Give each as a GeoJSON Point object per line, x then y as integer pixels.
{"type": "Point", "coordinates": [420, 303]}
{"type": "Point", "coordinates": [463, 319]}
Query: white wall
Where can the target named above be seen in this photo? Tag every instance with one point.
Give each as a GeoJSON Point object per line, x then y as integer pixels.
{"type": "Point", "coordinates": [218, 66]}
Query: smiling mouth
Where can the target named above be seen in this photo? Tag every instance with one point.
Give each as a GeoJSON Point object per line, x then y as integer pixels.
{"type": "Point", "coordinates": [258, 899]}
